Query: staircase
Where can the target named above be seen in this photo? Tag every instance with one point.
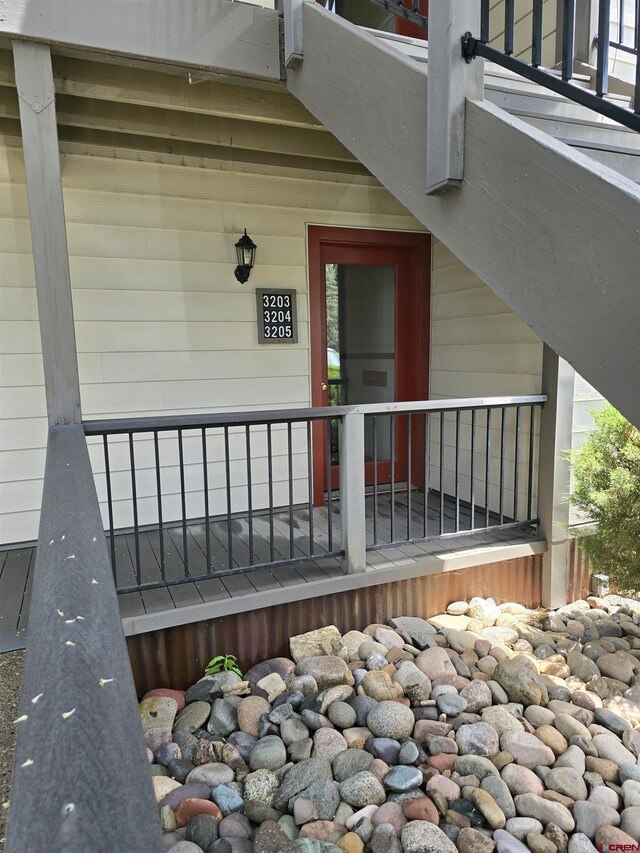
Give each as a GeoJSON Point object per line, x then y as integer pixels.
{"type": "Point", "coordinates": [549, 211]}
{"type": "Point", "coordinates": [583, 130]}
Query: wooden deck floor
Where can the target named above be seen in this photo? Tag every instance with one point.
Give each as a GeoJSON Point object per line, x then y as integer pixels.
{"type": "Point", "coordinates": [16, 565]}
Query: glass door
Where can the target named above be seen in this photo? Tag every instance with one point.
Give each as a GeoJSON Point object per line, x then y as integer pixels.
{"type": "Point", "coordinates": [369, 304]}
{"type": "Point", "coordinates": [361, 350]}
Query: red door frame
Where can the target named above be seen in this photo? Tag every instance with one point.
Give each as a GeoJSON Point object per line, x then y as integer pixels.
{"type": "Point", "coordinates": [355, 245]}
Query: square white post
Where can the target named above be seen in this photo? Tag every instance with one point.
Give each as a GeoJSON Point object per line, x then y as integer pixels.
{"type": "Point", "coordinates": [450, 81]}
{"type": "Point", "coordinates": [352, 512]}
{"type": "Point", "coordinates": [36, 96]}
{"type": "Point", "coordinates": [556, 422]}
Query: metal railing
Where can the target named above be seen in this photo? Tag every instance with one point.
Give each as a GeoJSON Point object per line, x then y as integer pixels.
{"type": "Point", "coordinates": [473, 46]}
{"type": "Point", "coordinates": [627, 26]}
{"type": "Point", "coordinates": [478, 465]}
{"type": "Point", "coordinates": [188, 498]}
{"type": "Point", "coordinates": [203, 497]}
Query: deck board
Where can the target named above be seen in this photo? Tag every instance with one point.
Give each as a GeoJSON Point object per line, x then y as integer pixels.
{"type": "Point", "coordinates": [14, 582]}
{"type": "Point", "coordinates": [16, 565]}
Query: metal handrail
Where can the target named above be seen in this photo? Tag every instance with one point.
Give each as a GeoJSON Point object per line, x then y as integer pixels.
{"type": "Point", "coordinates": [163, 423]}
{"type": "Point", "coordinates": [473, 47]}
{"type": "Point", "coordinates": [277, 544]}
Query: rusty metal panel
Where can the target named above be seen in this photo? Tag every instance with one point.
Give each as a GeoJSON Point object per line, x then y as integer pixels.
{"type": "Point", "coordinates": [578, 573]}
{"type": "Point", "coordinates": [177, 656]}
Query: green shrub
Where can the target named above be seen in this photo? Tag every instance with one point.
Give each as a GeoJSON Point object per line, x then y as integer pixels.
{"type": "Point", "coordinates": [607, 491]}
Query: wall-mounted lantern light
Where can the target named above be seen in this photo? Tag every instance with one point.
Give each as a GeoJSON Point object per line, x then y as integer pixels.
{"type": "Point", "coordinates": [246, 251]}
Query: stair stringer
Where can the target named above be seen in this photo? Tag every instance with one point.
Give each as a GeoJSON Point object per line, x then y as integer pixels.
{"type": "Point", "coordinates": [553, 233]}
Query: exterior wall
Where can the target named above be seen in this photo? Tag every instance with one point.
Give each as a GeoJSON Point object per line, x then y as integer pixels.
{"type": "Point", "coordinates": [522, 34]}
{"type": "Point", "coordinates": [479, 348]}
{"type": "Point", "coordinates": [585, 401]}
{"type": "Point", "coordinates": [162, 325]}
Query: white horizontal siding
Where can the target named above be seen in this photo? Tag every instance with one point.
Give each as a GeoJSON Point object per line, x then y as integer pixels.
{"type": "Point", "coordinates": [479, 348]}
{"type": "Point", "coordinates": [522, 31]}
{"type": "Point", "coordinates": [586, 401]}
{"type": "Point", "coordinates": [162, 326]}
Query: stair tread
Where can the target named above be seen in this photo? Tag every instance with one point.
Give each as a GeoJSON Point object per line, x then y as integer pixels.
{"type": "Point", "coordinates": [418, 50]}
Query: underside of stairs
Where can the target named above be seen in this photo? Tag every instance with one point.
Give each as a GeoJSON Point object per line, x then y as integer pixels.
{"type": "Point", "coordinates": [548, 214]}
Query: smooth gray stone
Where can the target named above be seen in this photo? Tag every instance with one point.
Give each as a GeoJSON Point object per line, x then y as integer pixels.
{"type": "Point", "coordinates": [401, 779]}
{"type": "Point", "coordinates": [349, 762]}
{"type": "Point", "coordinates": [202, 830]}
{"type": "Point", "coordinates": [325, 796]}
{"type": "Point", "coordinates": [223, 720]}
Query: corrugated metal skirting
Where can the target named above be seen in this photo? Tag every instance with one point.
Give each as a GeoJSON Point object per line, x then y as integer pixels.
{"type": "Point", "coordinates": [176, 657]}
{"type": "Point", "coordinates": [578, 573]}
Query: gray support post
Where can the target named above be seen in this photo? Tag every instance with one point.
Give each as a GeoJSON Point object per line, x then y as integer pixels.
{"type": "Point", "coordinates": [450, 81]}
{"type": "Point", "coordinates": [292, 19]}
{"type": "Point", "coordinates": [352, 517]}
{"type": "Point", "coordinates": [558, 378]}
{"type": "Point", "coordinates": [36, 94]}
{"type": "Point", "coordinates": [586, 29]}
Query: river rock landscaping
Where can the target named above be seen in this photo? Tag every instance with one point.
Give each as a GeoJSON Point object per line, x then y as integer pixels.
{"type": "Point", "coordinates": [489, 727]}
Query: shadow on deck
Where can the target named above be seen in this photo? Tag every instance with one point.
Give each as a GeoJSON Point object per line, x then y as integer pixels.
{"type": "Point", "coordinates": [313, 574]}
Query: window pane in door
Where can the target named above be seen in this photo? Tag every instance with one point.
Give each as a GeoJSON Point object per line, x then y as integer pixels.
{"type": "Point", "coordinates": [361, 343]}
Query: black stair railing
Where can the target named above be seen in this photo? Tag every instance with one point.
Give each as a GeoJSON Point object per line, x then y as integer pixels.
{"type": "Point", "coordinates": [628, 24]}
{"type": "Point", "coordinates": [561, 81]}
{"type": "Point", "coordinates": [627, 38]}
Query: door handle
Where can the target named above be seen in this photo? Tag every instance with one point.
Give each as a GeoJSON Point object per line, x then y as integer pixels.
{"type": "Point", "coordinates": [325, 387]}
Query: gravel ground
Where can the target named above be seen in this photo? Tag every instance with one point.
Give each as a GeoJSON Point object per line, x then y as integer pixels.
{"type": "Point", "coordinates": [10, 685]}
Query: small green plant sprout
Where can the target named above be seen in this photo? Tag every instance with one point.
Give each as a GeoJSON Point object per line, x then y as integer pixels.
{"type": "Point", "coordinates": [223, 663]}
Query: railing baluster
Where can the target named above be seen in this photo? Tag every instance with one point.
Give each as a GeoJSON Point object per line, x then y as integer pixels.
{"type": "Point", "coordinates": [392, 451]}
{"type": "Point", "coordinates": [327, 424]}
{"type": "Point", "coordinates": [509, 25]}
{"type": "Point", "coordinates": [516, 466]}
{"type": "Point", "coordinates": [205, 485]}
{"type": "Point", "coordinates": [426, 476]}
{"type": "Point", "coordinates": [156, 448]}
{"type": "Point", "coordinates": [441, 473]}
{"type": "Point", "coordinates": [249, 491]}
{"type": "Point", "coordinates": [134, 496]}
{"type": "Point", "coordinates": [290, 461]}
{"type": "Point", "coordinates": [310, 481]}
{"type": "Point", "coordinates": [536, 33]}
{"type": "Point", "coordinates": [628, 116]}
{"type": "Point", "coordinates": [457, 472]}
{"type": "Point", "coordinates": [374, 423]}
{"type": "Point", "coordinates": [183, 501]}
{"type": "Point", "coordinates": [227, 469]}
{"type": "Point", "coordinates": [568, 38]}
{"type": "Point", "coordinates": [502, 448]}
{"type": "Point", "coordinates": [452, 495]}
{"type": "Point", "coordinates": [532, 426]}
{"type": "Point", "coordinates": [270, 475]}
{"type": "Point", "coordinates": [409, 476]}
{"type": "Point", "coordinates": [602, 65]}
{"type": "Point", "coordinates": [487, 470]}
{"type": "Point", "coordinates": [472, 493]}
{"type": "Point", "coordinates": [112, 535]}
{"type": "Point", "coordinates": [485, 11]}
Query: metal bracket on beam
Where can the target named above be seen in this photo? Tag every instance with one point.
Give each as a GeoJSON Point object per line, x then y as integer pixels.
{"type": "Point", "coordinates": [292, 17]}
{"type": "Point", "coordinates": [450, 82]}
